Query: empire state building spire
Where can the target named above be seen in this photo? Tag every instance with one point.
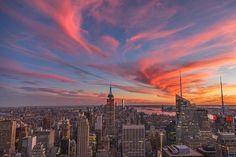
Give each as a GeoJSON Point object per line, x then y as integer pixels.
{"type": "Point", "coordinates": [110, 92]}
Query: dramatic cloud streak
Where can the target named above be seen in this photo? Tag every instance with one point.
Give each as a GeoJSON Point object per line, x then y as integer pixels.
{"type": "Point", "coordinates": [10, 68]}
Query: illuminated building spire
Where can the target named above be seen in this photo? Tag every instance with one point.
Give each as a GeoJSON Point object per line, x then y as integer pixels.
{"type": "Point", "coordinates": [222, 98]}
{"type": "Point", "coordinates": [180, 83]}
{"type": "Point", "coordinates": [110, 92]}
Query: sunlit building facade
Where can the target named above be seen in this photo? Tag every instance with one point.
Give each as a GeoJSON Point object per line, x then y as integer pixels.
{"type": "Point", "coordinates": [7, 137]}
{"type": "Point", "coordinates": [83, 137]}
{"type": "Point", "coordinates": [133, 141]}
{"type": "Point", "coordinates": [109, 115]}
{"type": "Point", "coordinates": [46, 137]}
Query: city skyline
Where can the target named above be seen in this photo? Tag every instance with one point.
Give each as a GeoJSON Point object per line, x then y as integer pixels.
{"type": "Point", "coordinates": [69, 53]}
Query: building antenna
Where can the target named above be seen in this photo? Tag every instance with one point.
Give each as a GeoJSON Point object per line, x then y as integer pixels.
{"type": "Point", "coordinates": [180, 83]}
{"type": "Point", "coordinates": [110, 90]}
{"type": "Point", "coordinates": [222, 98]}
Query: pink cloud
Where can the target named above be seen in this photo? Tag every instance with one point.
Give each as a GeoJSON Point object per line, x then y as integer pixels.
{"type": "Point", "coordinates": [115, 13]}
{"type": "Point", "coordinates": [9, 67]}
{"type": "Point", "coordinates": [155, 34]}
{"type": "Point", "coordinates": [68, 17]}
{"type": "Point", "coordinates": [110, 41]}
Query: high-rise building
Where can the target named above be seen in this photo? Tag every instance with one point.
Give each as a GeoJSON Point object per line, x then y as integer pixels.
{"type": "Point", "coordinates": [201, 117]}
{"type": "Point", "coordinates": [133, 141]}
{"type": "Point", "coordinates": [46, 122]}
{"type": "Point", "coordinates": [7, 137]}
{"type": "Point", "coordinates": [98, 123]}
{"type": "Point", "coordinates": [182, 118]}
{"type": "Point", "coordinates": [161, 138]}
{"type": "Point", "coordinates": [46, 137]}
{"type": "Point", "coordinates": [171, 133]}
{"type": "Point", "coordinates": [123, 103]}
{"type": "Point", "coordinates": [187, 125]}
{"type": "Point", "coordinates": [98, 129]}
{"type": "Point", "coordinates": [39, 150]}
{"type": "Point", "coordinates": [65, 128]}
{"type": "Point", "coordinates": [22, 131]}
{"type": "Point", "coordinates": [28, 144]}
{"type": "Point", "coordinates": [72, 148]}
{"type": "Point", "coordinates": [83, 137]}
{"type": "Point", "coordinates": [226, 144]}
{"type": "Point", "coordinates": [65, 147]}
{"type": "Point", "coordinates": [109, 115]}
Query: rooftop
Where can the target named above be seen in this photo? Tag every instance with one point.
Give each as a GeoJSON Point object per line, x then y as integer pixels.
{"type": "Point", "coordinates": [183, 151]}
{"type": "Point", "coordinates": [133, 126]}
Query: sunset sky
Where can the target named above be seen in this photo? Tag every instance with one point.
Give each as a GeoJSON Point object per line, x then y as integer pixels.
{"type": "Point", "coordinates": [55, 52]}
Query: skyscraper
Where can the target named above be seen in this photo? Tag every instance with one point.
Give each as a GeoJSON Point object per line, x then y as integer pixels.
{"type": "Point", "coordinates": [109, 115]}
{"type": "Point", "coordinates": [186, 126]}
{"type": "Point", "coordinates": [65, 147]}
{"type": "Point", "coordinates": [98, 123]}
{"type": "Point", "coordinates": [123, 103]}
{"type": "Point", "coordinates": [46, 122]}
{"type": "Point", "coordinates": [22, 131]}
{"type": "Point", "coordinates": [65, 129]}
{"type": "Point", "coordinates": [133, 140]}
{"type": "Point", "coordinates": [201, 117]}
{"type": "Point", "coordinates": [46, 137]}
{"type": "Point", "coordinates": [181, 117]}
{"type": "Point", "coordinates": [72, 148]}
{"type": "Point", "coordinates": [181, 105]}
{"type": "Point", "coordinates": [7, 137]}
{"type": "Point", "coordinates": [83, 137]}
{"type": "Point", "coordinates": [98, 129]}
{"type": "Point", "coordinates": [28, 144]}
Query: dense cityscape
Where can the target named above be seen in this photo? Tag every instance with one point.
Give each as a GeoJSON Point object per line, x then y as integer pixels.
{"type": "Point", "coordinates": [118, 130]}
{"type": "Point", "coordinates": [118, 78]}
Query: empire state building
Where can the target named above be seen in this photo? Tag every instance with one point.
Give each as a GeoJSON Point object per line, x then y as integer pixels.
{"type": "Point", "coordinates": [109, 115]}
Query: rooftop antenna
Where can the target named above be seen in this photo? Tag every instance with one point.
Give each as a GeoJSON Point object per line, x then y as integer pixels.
{"type": "Point", "coordinates": [222, 98]}
{"type": "Point", "coordinates": [110, 90]}
{"type": "Point", "coordinates": [180, 83]}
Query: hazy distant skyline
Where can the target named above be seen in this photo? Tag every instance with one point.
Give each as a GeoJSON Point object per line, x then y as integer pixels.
{"type": "Point", "coordinates": [68, 52]}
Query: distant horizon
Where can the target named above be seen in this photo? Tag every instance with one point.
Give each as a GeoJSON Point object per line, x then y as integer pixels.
{"type": "Point", "coordinates": [69, 52]}
{"type": "Point", "coordinates": [130, 105]}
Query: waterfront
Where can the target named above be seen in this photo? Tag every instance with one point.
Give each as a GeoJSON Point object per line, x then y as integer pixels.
{"type": "Point", "coordinates": [154, 110]}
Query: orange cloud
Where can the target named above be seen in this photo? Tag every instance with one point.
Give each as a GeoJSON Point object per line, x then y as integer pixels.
{"type": "Point", "coordinates": [159, 76]}
{"type": "Point", "coordinates": [211, 94]}
{"type": "Point", "coordinates": [67, 15]}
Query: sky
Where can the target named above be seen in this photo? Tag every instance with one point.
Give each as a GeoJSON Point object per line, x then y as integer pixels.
{"type": "Point", "coordinates": [55, 52]}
